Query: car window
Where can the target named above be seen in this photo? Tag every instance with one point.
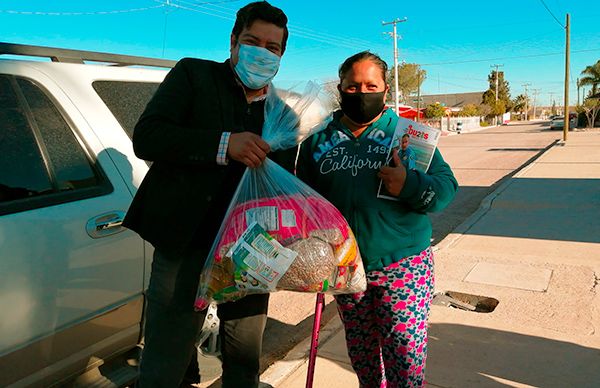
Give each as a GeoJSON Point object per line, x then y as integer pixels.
{"type": "Point", "coordinates": [126, 100]}
{"type": "Point", "coordinates": [41, 160]}
{"type": "Point", "coordinates": [72, 168]}
{"type": "Point", "coordinates": [22, 167]}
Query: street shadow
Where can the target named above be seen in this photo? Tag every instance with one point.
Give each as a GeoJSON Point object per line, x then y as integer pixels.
{"type": "Point", "coordinates": [462, 356]}
{"type": "Point", "coordinates": [466, 202]}
{"type": "Point", "coordinates": [545, 208]}
{"type": "Point", "coordinates": [501, 132]}
{"type": "Point", "coordinates": [537, 149]}
{"type": "Point", "coordinates": [281, 337]}
{"type": "Point", "coordinates": [465, 356]}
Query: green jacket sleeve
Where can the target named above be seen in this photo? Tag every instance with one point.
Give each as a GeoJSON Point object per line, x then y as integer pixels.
{"type": "Point", "coordinates": [163, 132]}
{"type": "Point", "coordinates": [432, 191]}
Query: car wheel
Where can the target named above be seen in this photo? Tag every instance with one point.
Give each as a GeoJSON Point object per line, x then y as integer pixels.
{"type": "Point", "coordinates": [208, 346]}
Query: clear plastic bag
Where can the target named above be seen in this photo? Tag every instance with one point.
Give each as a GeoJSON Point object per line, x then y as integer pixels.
{"type": "Point", "coordinates": [278, 233]}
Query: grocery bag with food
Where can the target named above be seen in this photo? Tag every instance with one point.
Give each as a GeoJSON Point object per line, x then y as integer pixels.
{"type": "Point", "coordinates": [278, 233]}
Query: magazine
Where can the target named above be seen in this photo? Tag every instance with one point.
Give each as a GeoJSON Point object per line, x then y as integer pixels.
{"type": "Point", "coordinates": [416, 144]}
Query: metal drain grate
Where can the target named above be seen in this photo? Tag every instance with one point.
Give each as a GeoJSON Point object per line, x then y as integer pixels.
{"type": "Point", "coordinates": [467, 302]}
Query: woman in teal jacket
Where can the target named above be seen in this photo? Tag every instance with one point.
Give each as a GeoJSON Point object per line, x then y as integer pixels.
{"type": "Point", "coordinates": [386, 326]}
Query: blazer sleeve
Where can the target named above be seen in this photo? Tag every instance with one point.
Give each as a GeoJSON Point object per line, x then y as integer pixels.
{"type": "Point", "coordinates": [432, 191]}
{"type": "Point", "coordinates": [163, 132]}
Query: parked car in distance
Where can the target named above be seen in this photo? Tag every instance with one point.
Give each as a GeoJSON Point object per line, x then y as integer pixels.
{"type": "Point", "coordinates": [558, 122]}
{"type": "Point", "coordinates": [72, 279]}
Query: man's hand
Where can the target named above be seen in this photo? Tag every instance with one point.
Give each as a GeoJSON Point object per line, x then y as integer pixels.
{"type": "Point", "coordinates": [393, 178]}
{"type": "Point", "coordinates": [247, 148]}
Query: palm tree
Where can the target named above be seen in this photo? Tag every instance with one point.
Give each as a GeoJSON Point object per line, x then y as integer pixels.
{"type": "Point", "coordinates": [591, 76]}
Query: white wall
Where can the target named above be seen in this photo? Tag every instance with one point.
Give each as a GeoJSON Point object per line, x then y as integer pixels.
{"type": "Point", "coordinates": [449, 124]}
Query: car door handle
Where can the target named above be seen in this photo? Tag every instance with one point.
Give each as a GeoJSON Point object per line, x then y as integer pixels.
{"type": "Point", "coordinates": [105, 224]}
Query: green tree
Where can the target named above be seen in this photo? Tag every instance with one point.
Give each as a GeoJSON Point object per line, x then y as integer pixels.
{"type": "Point", "coordinates": [469, 110]}
{"type": "Point", "coordinates": [489, 96]}
{"type": "Point", "coordinates": [591, 108]}
{"type": "Point", "coordinates": [434, 110]}
{"type": "Point", "coordinates": [484, 110]}
{"type": "Point", "coordinates": [499, 108]}
{"type": "Point", "coordinates": [410, 77]}
{"type": "Point", "coordinates": [519, 103]}
{"type": "Point", "coordinates": [591, 76]}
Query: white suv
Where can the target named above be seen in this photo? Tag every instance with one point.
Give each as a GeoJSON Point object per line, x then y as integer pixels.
{"type": "Point", "coordinates": [72, 279]}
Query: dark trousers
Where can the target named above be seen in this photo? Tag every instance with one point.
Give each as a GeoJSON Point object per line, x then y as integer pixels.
{"type": "Point", "coordinates": [172, 326]}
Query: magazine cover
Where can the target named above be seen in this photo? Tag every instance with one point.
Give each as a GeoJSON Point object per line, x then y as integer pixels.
{"type": "Point", "coordinates": [416, 144]}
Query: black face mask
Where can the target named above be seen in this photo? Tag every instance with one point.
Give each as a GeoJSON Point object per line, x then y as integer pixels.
{"type": "Point", "coordinates": [362, 107]}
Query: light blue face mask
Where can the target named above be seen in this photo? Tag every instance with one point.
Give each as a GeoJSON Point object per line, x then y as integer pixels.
{"type": "Point", "coordinates": [256, 66]}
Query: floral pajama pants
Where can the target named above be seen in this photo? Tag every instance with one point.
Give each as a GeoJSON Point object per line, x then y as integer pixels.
{"type": "Point", "coordinates": [386, 325]}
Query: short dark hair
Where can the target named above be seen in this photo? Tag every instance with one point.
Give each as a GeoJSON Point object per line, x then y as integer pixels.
{"type": "Point", "coordinates": [260, 10]}
{"type": "Point", "coordinates": [362, 56]}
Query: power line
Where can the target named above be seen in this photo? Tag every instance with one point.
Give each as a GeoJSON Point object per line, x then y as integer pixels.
{"type": "Point", "coordinates": [38, 13]}
{"type": "Point", "coordinates": [295, 27]}
{"type": "Point", "coordinates": [296, 30]}
{"type": "Point", "coordinates": [215, 2]}
{"type": "Point", "coordinates": [551, 13]}
{"type": "Point", "coordinates": [456, 85]}
{"type": "Point", "coordinates": [356, 41]}
{"type": "Point", "coordinates": [229, 14]}
{"type": "Point", "coordinates": [501, 58]}
{"type": "Point", "coordinates": [177, 5]}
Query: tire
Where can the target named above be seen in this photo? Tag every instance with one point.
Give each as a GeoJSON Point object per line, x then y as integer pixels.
{"type": "Point", "coordinates": [208, 346]}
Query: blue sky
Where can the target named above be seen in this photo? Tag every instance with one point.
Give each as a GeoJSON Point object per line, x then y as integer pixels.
{"type": "Point", "coordinates": [456, 42]}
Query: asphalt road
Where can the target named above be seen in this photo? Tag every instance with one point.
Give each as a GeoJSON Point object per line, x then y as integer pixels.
{"type": "Point", "coordinates": [480, 160]}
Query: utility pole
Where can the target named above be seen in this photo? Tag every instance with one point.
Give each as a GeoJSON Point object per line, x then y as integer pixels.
{"type": "Point", "coordinates": [418, 94]}
{"type": "Point", "coordinates": [567, 53]}
{"type": "Point", "coordinates": [395, 38]}
{"type": "Point", "coordinates": [526, 102]}
{"type": "Point", "coordinates": [496, 91]}
{"type": "Point", "coordinates": [535, 93]}
{"type": "Point", "coordinates": [578, 91]}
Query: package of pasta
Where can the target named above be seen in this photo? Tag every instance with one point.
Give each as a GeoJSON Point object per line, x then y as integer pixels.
{"type": "Point", "coordinates": [278, 233]}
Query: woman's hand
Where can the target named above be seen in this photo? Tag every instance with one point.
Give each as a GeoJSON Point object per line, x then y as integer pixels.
{"type": "Point", "coordinates": [393, 178]}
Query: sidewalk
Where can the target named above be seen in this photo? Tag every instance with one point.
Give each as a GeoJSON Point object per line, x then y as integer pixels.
{"type": "Point", "coordinates": [534, 245]}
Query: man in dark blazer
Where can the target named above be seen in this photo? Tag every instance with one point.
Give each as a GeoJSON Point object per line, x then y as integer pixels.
{"type": "Point", "coordinates": [201, 129]}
